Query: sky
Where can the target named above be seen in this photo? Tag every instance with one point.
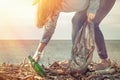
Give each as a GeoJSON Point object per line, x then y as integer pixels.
{"type": "Point", "coordinates": [17, 21]}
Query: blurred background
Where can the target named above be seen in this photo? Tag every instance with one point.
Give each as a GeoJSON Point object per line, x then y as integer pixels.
{"type": "Point", "coordinates": [17, 21]}
{"type": "Point", "coordinates": [19, 37]}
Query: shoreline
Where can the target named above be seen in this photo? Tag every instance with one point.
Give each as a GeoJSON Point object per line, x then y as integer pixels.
{"type": "Point", "coordinates": [14, 51]}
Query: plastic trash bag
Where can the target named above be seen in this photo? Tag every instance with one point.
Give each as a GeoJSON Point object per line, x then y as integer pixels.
{"type": "Point", "coordinates": [82, 50]}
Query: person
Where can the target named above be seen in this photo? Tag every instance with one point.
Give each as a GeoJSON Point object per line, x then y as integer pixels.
{"type": "Point", "coordinates": [80, 7]}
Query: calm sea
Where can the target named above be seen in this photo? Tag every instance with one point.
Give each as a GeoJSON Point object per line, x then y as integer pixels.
{"type": "Point", "coordinates": [14, 51]}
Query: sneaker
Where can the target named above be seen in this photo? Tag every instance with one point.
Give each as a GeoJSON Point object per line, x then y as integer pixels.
{"type": "Point", "coordinates": [103, 64]}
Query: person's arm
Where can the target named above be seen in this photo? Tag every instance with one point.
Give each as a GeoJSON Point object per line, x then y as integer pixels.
{"type": "Point", "coordinates": [38, 54]}
{"type": "Point", "coordinates": [49, 30]}
{"type": "Point", "coordinates": [41, 46]}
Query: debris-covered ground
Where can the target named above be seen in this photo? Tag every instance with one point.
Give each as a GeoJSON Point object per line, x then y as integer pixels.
{"type": "Point", "coordinates": [56, 71]}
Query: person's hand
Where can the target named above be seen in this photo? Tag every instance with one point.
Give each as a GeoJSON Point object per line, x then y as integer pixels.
{"type": "Point", "coordinates": [90, 17]}
{"type": "Point", "coordinates": [37, 56]}
{"type": "Point", "coordinates": [39, 52]}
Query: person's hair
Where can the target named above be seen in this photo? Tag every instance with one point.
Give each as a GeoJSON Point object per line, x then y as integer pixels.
{"type": "Point", "coordinates": [45, 11]}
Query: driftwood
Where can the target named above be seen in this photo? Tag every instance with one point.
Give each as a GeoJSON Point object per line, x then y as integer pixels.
{"type": "Point", "coordinates": [22, 71]}
{"type": "Point", "coordinates": [56, 71]}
